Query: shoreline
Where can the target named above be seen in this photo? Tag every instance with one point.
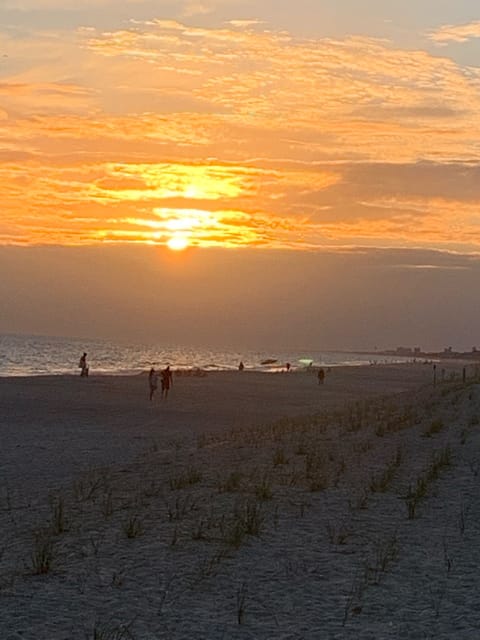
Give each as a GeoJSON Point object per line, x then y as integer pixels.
{"type": "Point", "coordinates": [451, 363]}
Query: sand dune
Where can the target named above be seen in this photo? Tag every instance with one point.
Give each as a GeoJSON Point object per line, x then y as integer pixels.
{"type": "Point", "coordinates": [245, 506]}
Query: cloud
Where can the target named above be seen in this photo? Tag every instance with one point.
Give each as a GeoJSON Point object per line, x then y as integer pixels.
{"type": "Point", "coordinates": [243, 24]}
{"type": "Point", "coordinates": [196, 8]}
{"type": "Point", "coordinates": [455, 33]}
{"type": "Point", "coordinates": [274, 141]}
{"type": "Point", "coordinates": [259, 75]}
{"type": "Point", "coordinates": [35, 5]}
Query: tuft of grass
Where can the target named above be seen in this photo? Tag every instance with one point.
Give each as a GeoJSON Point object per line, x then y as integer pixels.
{"type": "Point", "coordinates": [85, 489]}
{"type": "Point", "coordinates": [42, 556]}
{"type": "Point", "coordinates": [462, 519]}
{"type": "Point", "coordinates": [178, 509]}
{"type": "Point", "coordinates": [338, 534]}
{"type": "Point", "coordinates": [209, 564]}
{"type": "Point", "coordinates": [112, 631]}
{"type": "Point", "coordinates": [198, 532]}
{"type": "Point", "coordinates": [416, 493]}
{"type": "Point", "coordinates": [301, 449]}
{"type": "Point", "coordinates": [95, 543]}
{"type": "Point", "coordinates": [133, 527]}
{"type": "Point", "coordinates": [379, 483]}
{"type": "Point", "coordinates": [231, 483]}
{"type": "Point", "coordinates": [386, 552]}
{"type": "Point", "coordinates": [411, 501]}
{"type": "Point", "coordinates": [317, 481]}
{"type": "Point", "coordinates": [435, 426]}
{"type": "Point", "coordinates": [247, 520]}
{"type": "Point", "coordinates": [474, 468]}
{"type": "Point", "coordinates": [441, 459]}
{"type": "Point", "coordinates": [314, 462]}
{"type": "Point", "coordinates": [174, 540]}
{"type": "Point", "coordinates": [242, 592]}
{"type": "Point", "coordinates": [263, 491]}
{"type": "Point", "coordinates": [233, 534]}
{"type": "Point", "coordinates": [354, 600]}
{"type": "Point", "coordinates": [252, 517]}
{"type": "Point", "coordinates": [106, 504]}
{"type": "Point", "coordinates": [58, 515]}
{"type": "Point", "coordinates": [380, 430]}
{"type": "Point", "coordinates": [190, 477]}
{"type": "Point", "coordinates": [360, 502]}
{"type": "Point", "coordinates": [279, 457]}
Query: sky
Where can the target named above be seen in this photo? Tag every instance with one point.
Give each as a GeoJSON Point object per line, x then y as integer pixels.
{"type": "Point", "coordinates": [229, 172]}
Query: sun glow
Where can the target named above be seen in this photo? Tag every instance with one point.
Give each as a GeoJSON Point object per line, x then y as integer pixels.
{"type": "Point", "coordinates": [178, 243]}
{"type": "Point", "coordinates": [181, 228]}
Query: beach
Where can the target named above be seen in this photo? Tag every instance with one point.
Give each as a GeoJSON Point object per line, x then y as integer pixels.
{"type": "Point", "coordinates": [246, 505]}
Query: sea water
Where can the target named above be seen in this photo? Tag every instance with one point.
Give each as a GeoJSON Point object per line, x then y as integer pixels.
{"type": "Point", "coordinates": [24, 355]}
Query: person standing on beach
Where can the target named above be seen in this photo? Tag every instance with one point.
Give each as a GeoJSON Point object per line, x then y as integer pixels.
{"type": "Point", "coordinates": [241, 366]}
{"type": "Point", "coordinates": [152, 382]}
{"type": "Point", "coordinates": [167, 381]}
{"type": "Point", "coordinates": [83, 366]}
{"type": "Point", "coordinates": [321, 376]}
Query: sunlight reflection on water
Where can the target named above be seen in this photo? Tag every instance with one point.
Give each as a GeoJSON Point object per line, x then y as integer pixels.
{"type": "Point", "coordinates": [39, 355]}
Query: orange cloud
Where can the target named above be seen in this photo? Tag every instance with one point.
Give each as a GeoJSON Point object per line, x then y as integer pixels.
{"type": "Point", "coordinates": [455, 33]}
{"type": "Point", "coordinates": [260, 133]}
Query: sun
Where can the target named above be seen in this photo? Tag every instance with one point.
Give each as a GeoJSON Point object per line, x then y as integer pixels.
{"type": "Point", "coordinates": [178, 243]}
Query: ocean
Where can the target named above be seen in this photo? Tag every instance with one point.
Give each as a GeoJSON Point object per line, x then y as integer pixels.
{"type": "Point", "coordinates": [23, 355]}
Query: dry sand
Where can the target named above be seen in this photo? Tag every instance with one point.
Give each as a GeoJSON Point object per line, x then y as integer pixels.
{"type": "Point", "coordinates": [247, 505]}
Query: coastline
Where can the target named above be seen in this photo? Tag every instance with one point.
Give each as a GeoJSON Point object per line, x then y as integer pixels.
{"type": "Point", "coordinates": [304, 457]}
{"type": "Point", "coordinates": [43, 355]}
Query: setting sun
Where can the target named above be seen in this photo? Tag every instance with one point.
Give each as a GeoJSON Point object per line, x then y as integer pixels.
{"type": "Point", "coordinates": [178, 243]}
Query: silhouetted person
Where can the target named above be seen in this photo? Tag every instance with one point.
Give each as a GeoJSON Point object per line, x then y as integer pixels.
{"type": "Point", "coordinates": [167, 381]}
{"type": "Point", "coordinates": [152, 382]}
{"type": "Point", "coordinates": [83, 366]}
{"type": "Point", "coordinates": [287, 366]}
{"type": "Point", "coordinates": [241, 366]}
{"type": "Point", "coordinates": [321, 376]}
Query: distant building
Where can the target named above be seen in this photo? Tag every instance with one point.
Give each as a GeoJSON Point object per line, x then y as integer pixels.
{"type": "Point", "coordinates": [404, 351]}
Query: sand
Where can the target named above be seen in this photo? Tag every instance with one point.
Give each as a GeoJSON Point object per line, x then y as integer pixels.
{"type": "Point", "coordinates": [247, 505]}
